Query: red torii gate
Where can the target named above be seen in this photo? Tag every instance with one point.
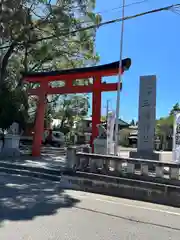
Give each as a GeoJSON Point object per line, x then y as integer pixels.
{"type": "Point", "coordinates": [68, 76]}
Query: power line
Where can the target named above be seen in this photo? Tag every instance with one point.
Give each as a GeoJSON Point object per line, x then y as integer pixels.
{"type": "Point", "coordinates": [117, 8]}
{"type": "Point", "coordinates": [99, 25]}
{"type": "Point", "coordinates": [107, 23]}
{"type": "Point", "coordinates": [100, 12]}
{"type": "Point", "coordinates": [109, 10]}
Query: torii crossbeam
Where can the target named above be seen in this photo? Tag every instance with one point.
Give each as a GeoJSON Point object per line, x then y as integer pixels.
{"type": "Point", "coordinates": [68, 77]}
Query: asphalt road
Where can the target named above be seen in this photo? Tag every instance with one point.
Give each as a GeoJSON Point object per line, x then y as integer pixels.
{"type": "Point", "coordinates": [36, 209]}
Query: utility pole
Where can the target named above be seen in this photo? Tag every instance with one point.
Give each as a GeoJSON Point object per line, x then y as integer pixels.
{"type": "Point", "coordinates": [119, 84]}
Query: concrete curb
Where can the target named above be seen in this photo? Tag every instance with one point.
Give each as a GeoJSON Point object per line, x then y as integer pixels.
{"type": "Point", "coordinates": [37, 172]}
{"type": "Point", "coordinates": [31, 174]}
{"type": "Point", "coordinates": [22, 167]}
{"type": "Point", "coordinates": [126, 188]}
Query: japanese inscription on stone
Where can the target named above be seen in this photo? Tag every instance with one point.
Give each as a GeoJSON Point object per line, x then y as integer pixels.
{"type": "Point", "coordinates": [178, 134]}
{"type": "Point", "coordinates": [147, 113]}
{"type": "Point", "coordinates": [176, 138]}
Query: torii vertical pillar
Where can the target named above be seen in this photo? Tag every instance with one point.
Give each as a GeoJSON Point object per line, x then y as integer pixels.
{"type": "Point", "coordinates": [39, 122]}
{"type": "Point", "coordinates": [96, 107]}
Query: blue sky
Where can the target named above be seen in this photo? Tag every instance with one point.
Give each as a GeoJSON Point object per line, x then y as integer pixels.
{"type": "Point", "coordinates": [153, 44]}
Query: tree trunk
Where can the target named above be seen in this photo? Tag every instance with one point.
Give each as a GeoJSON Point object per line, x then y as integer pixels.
{"type": "Point", "coordinates": [4, 63]}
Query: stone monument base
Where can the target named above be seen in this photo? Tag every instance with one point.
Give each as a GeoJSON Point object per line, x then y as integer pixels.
{"type": "Point", "coordinates": [10, 152]}
{"type": "Point", "coordinates": [11, 146]}
{"type": "Point", "coordinates": [100, 146]}
{"type": "Point", "coordinates": [145, 155]}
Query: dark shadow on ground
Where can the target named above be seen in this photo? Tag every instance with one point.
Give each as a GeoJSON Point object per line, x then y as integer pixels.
{"type": "Point", "coordinates": [51, 158]}
{"type": "Point", "coordinates": [23, 198]}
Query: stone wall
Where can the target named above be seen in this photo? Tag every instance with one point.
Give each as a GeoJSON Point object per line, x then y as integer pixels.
{"type": "Point", "coordinates": [139, 179]}
{"type": "Point", "coordinates": [120, 187]}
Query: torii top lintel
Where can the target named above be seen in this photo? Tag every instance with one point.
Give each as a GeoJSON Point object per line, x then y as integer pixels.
{"type": "Point", "coordinates": [78, 73]}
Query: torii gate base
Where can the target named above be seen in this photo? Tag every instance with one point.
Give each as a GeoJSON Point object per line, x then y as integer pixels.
{"type": "Point", "coordinates": [68, 77]}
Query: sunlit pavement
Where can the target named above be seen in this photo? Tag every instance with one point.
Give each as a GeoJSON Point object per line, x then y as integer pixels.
{"type": "Point", "coordinates": [33, 209]}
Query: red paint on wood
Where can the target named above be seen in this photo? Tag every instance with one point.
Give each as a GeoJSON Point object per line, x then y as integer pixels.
{"type": "Point", "coordinates": [96, 89]}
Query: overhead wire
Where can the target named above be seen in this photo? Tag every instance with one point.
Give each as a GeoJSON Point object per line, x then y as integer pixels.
{"type": "Point", "coordinates": [116, 8]}
{"type": "Point", "coordinates": [120, 7]}
{"type": "Point", "coordinates": [96, 26]}
{"type": "Point", "coordinates": [100, 12]}
{"type": "Point", "coordinates": [108, 22]}
{"type": "Point", "coordinates": [108, 10]}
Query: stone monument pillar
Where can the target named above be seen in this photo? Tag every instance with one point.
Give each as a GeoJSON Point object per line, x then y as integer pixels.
{"type": "Point", "coordinates": [146, 119]}
{"type": "Point", "coordinates": [11, 142]}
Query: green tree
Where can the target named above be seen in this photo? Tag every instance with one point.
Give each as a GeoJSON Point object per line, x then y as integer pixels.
{"type": "Point", "coordinates": [164, 129]}
{"type": "Point", "coordinates": [103, 118]}
{"type": "Point", "coordinates": [33, 40]}
{"type": "Point", "coordinates": [175, 108]}
{"type": "Point", "coordinates": [164, 126]}
{"type": "Point", "coordinates": [71, 108]}
{"type": "Point", "coordinates": [13, 107]}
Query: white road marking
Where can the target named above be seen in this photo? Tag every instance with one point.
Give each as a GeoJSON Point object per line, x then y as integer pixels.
{"type": "Point", "coordinates": [83, 196]}
{"type": "Point", "coordinates": [139, 207]}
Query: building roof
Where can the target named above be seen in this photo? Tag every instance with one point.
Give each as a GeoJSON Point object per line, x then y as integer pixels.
{"type": "Point", "coordinates": [121, 122]}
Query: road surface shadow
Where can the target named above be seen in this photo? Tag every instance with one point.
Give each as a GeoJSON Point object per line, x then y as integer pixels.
{"type": "Point", "coordinates": [23, 198]}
